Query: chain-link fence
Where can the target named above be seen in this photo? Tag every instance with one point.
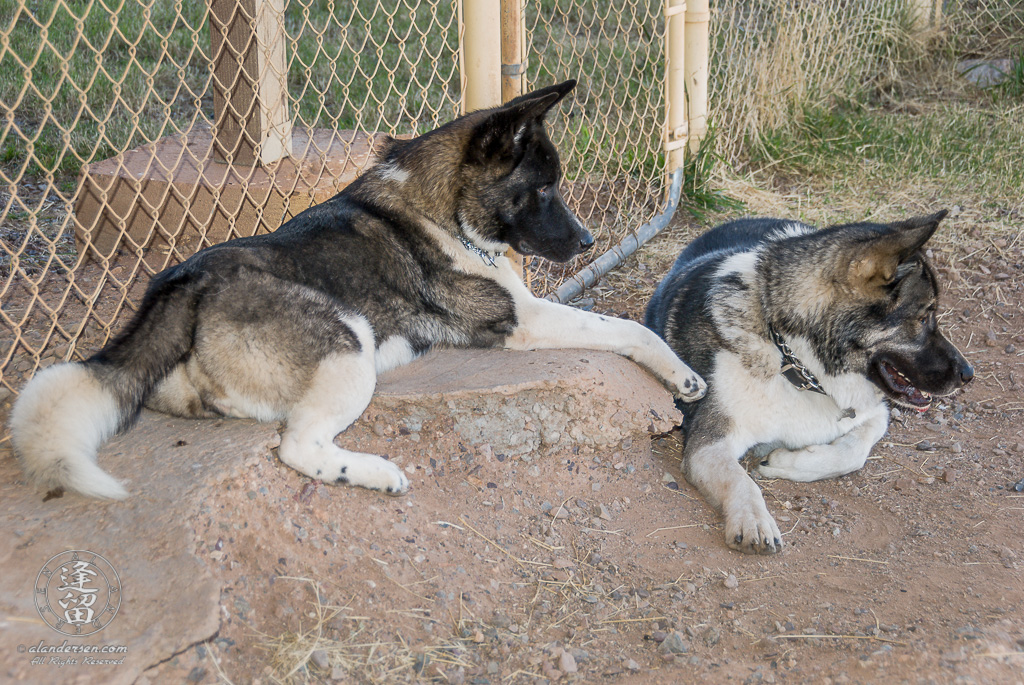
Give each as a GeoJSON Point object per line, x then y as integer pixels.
{"type": "Point", "coordinates": [110, 168]}
{"type": "Point", "coordinates": [770, 59]}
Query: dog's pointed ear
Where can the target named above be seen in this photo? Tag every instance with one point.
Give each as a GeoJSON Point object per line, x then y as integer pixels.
{"type": "Point", "coordinates": [560, 89]}
{"type": "Point", "coordinates": [497, 135]}
{"type": "Point", "coordinates": [877, 263]}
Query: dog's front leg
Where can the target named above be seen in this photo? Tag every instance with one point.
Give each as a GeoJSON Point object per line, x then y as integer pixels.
{"type": "Point", "coordinates": [845, 454]}
{"type": "Point", "coordinates": [547, 325]}
{"type": "Point", "coordinates": [711, 464]}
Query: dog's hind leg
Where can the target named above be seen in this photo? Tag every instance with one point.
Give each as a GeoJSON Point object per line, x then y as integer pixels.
{"type": "Point", "coordinates": [337, 394]}
{"type": "Point", "coordinates": [843, 455]}
{"type": "Point", "coordinates": [547, 325]}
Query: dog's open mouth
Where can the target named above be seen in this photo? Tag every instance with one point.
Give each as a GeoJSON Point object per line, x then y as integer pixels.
{"type": "Point", "coordinates": [901, 389]}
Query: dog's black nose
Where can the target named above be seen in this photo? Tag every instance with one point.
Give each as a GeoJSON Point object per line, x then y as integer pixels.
{"type": "Point", "coordinates": [586, 241]}
{"type": "Point", "coordinates": [966, 373]}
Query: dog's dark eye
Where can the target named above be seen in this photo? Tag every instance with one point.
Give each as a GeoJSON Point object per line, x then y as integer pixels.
{"type": "Point", "coordinates": [544, 191]}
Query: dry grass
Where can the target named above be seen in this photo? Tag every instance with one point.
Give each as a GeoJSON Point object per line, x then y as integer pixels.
{"type": "Point", "coordinates": [364, 651]}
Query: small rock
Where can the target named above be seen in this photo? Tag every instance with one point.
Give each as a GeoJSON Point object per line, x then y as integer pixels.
{"type": "Point", "coordinates": [675, 643]}
{"type": "Point", "coordinates": [567, 663]}
{"type": "Point", "coordinates": [956, 448]}
{"type": "Point", "coordinates": [338, 673]}
{"type": "Point", "coordinates": [668, 478]}
{"type": "Point", "coordinates": [903, 484]}
{"type": "Point", "coordinates": [1010, 349]}
{"type": "Point", "coordinates": [948, 475]}
{"type": "Point", "coordinates": [319, 658]}
{"type": "Point", "coordinates": [559, 513]}
{"type": "Point", "coordinates": [631, 665]}
{"type": "Point", "coordinates": [925, 446]}
{"type": "Point", "coordinates": [731, 582]}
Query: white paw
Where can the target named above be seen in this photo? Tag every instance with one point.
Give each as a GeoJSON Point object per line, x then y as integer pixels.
{"type": "Point", "coordinates": [783, 463]}
{"type": "Point", "coordinates": [749, 528]}
{"type": "Point", "coordinates": [375, 473]}
{"type": "Point", "coordinates": [685, 384]}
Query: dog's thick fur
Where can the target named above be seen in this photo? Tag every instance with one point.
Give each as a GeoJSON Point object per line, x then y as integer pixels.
{"type": "Point", "coordinates": [297, 324]}
{"type": "Point", "coordinates": [856, 306]}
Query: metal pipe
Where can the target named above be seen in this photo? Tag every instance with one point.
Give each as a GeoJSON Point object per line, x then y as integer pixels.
{"type": "Point", "coordinates": [630, 244]}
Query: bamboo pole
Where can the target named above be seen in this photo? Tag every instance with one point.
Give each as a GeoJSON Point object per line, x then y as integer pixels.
{"type": "Point", "coordinates": [698, 16]}
{"type": "Point", "coordinates": [513, 70]}
{"type": "Point", "coordinates": [250, 81]}
{"type": "Point", "coordinates": [925, 15]}
{"type": "Point", "coordinates": [480, 62]}
{"type": "Point", "coordinates": [513, 50]}
{"type": "Point", "coordinates": [676, 122]}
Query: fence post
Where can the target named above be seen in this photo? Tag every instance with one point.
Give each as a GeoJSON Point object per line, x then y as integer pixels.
{"type": "Point", "coordinates": [676, 123]}
{"type": "Point", "coordinates": [513, 73]}
{"type": "Point", "coordinates": [250, 81]}
{"type": "Point", "coordinates": [485, 82]}
{"type": "Point", "coordinates": [513, 50]}
{"type": "Point", "coordinates": [481, 63]}
{"type": "Point", "coordinates": [925, 15]}
{"type": "Point", "coordinates": [698, 17]}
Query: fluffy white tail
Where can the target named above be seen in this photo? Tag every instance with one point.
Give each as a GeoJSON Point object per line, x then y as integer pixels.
{"type": "Point", "coordinates": [58, 423]}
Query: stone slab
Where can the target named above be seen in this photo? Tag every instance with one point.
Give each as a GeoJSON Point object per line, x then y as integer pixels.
{"type": "Point", "coordinates": [543, 402]}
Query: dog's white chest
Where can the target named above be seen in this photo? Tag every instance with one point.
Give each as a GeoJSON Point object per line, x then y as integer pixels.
{"type": "Point", "coordinates": [775, 411]}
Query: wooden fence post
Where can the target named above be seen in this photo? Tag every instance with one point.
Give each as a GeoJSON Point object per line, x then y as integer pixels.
{"type": "Point", "coordinates": [698, 17]}
{"type": "Point", "coordinates": [513, 50]}
{"type": "Point", "coordinates": [250, 81]}
{"type": "Point", "coordinates": [925, 15]}
{"type": "Point", "coordinates": [481, 61]}
{"type": "Point", "coordinates": [513, 74]}
{"type": "Point", "coordinates": [676, 120]}
{"type": "Point", "coordinates": [485, 25]}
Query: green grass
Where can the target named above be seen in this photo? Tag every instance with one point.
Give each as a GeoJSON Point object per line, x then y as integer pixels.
{"type": "Point", "coordinates": [80, 81]}
{"type": "Point", "coordinates": [957, 143]}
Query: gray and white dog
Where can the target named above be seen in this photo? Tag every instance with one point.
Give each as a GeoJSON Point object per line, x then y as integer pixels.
{"type": "Point", "coordinates": [804, 337]}
{"type": "Point", "coordinates": [296, 325]}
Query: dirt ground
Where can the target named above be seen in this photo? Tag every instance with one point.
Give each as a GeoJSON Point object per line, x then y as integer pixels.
{"type": "Point", "coordinates": [607, 567]}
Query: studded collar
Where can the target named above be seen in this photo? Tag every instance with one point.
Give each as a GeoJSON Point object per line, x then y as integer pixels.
{"type": "Point", "coordinates": [792, 368]}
